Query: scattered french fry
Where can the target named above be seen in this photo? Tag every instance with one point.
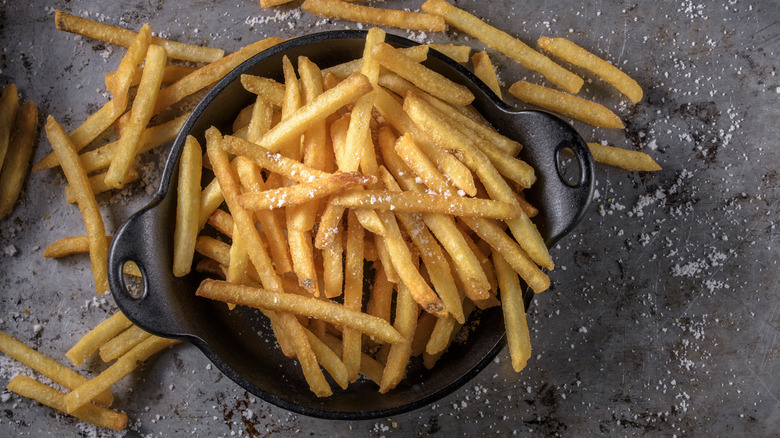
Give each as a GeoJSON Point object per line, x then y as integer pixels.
{"type": "Point", "coordinates": [96, 337]}
{"type": "Point", "coordinates": [9, 105]}
{"type": "Point", "coordinates": [187, 207]}
{"type": "Point", "coordinates": [377, 16]}
{"type": "Point", "coordinates": [623, 158]}
{"type": "Point", "coordinates": [17, 161]}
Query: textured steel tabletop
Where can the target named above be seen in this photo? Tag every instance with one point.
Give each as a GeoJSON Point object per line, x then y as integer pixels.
{"type": "Point", "coordinates": [663, 317]}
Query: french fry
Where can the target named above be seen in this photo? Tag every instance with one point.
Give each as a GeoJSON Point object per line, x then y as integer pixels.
{"type": "Point", "coordinates": [347, 91]}
{"type": "Point", "coordinates": [17, 161]}
{"type": "Point", "coordinates": [376, 16]}
{"type": "Point", "coordinates": [122, 343]}
{"type": "Point", "coordinates": [222, 221]}
{"type": "Point", "coordinates": [342, 71]}
{"type": "Point", "coordinates": [260, 121]}
{"type": "Point", "coordinates": [187, 207]}
{"type": "Point", "coordinates": [332, 267]}
{"type": "Point", "coordinates": [68, 246]}
{"type": "Point", "coordinates": [429, 360]}
{"type": "Point", "coordinates": [328, 359]}
{"type": "Point", "coordinates": [9, 105]}
{"type": "Point", "coordinates": [140, 114]}
{"type": "Point", "coordinates": [93, 221]}
{"type": "Point", "coordinates": [570, 52]}
{"type": "Point", "coordinates": [267, 88]}
{"type": "Point", "coordinates": [124, 37]}
{"type": "Point", "coordinates": [369, 367]}
{"type": "Point", "coordinates": [303, 192]}
{"type": "Point", "coordinates": [406, 311]}
{"type": "Point", "coordinates": [567, 105]}
{"type": "Point", "coordinates": [47, 366]}
{"type": "Point", "coordinates": [330, 225]}
{"type": "Point", "coordinates": [505, 43]}
{"type": "Point", "coordinates": [440, 336]}
{"type": "Point", "coordinates": [380, 303]}
{"type": "Point", "coordinates": [623, 158]}
{"type": "Point", "coordinates": [123, 366]}
{"type": "Point", "coordinates": [423, 77]}
{"type": "Point", "coordinates": [290, 104]}
{"type": "Point", "coordinates": [353, 294]}
{"type": "Point", "coordinates": [456, 53]}
{"type": "Point", "coordinates": [272, 162]}
{"type": "Point", "coordinates": [425, 169]}
{"type": "Point", "coordinates": [243, 118]}
{"type": "Point", "coordinates": [312, 307]}
{"type": "Point", "coordinates": [210, 199]}
{"type": "Point", "coordinates": [250, 178]}
{"type": "Point", "coordinates": [422, 332]}
{"type": "Point", "coordinates": [95, 124]}
{"type": "Point", "coordinates": [483, 69]}
{"type": "Point", "coordinates": [119, 86]}
{"type": "Point", "coordinates": [305, 355]}
{"type": "Point", "coordinates": [98, 184]}
{"type": "Point", "coordinates": [302, 254]}
{"type": "Point", "coordinates": [269, 3]}
{"type": "Point", "coordinates": [243, 219]}
{"type": "Point", "coordinates": [214, 249]}
{"type": "Point", "coordinates": [27, 387]}
{"type": "Point", "coordinates": [171, 74]}
{"type": "Point", "coordinates": [517, 335]}
{"type": "Point", "coordinates": [407, 202]}
{"type": "Point", "coordinates": [90, 342]}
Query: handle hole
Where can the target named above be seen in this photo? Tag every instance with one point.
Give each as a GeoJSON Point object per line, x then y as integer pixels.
{"type": "Point", "coordinates": [133, 280]}
{"type": "Point", "coordinates": [568, 167]}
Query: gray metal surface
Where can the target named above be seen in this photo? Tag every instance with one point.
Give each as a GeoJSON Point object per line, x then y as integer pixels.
{"type": "Point", "coordinates": [663, 316]}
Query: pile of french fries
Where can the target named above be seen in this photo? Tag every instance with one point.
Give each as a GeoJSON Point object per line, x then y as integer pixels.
{"type": "Point", "coordinates": [379, 161]}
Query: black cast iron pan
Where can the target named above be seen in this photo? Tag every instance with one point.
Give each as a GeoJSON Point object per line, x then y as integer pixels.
{"type": "Point", "coordinates": [240, 342]}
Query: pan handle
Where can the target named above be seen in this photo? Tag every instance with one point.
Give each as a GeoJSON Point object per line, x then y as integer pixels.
{"type": "Point", "coordinates": [543, 137]}
{"type": "Point", "coordinates": [151, 307]}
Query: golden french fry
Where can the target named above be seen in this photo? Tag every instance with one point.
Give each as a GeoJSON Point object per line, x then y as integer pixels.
{"type": "Point", "coordinates": [9, 105]}
{"type": "Point", "coordinates": [276, 163]}
{"type": "Point", "coordinates": [17, 161]}
{"type": "Point", "coordinates": [333, 268]}
{"type": "Point", "coordinates": [574, 54]}
{"type": "Point", "coordinates": [517, 336]}
{"type": "Point", "coordinates": [529, 209]}
{"type": "Point", "coordinates": [228, 183]}
{"type": "Point", "coordinates": [567, 105]}
{"type": "Point", "coordinates": [484, 70]}
{"type": "Point", "coordinates": [425, 169]}
{"type": "Point", "coordinates": [269, 3]}
{"type": "Point", "coordinates": [213, 249]}
{"type": "Point", "coordinates": [330, 225]}
{"type": "Point", "coordinates": [505, 43]}
{"type": "Point", "coordinates": [260, 121]}
{"type": "Point", "coordinates": [27, 387]}
{"type": "Point", "coordinates": [299, 305]}
{"type": "Point", "coordinates": [342, 71]}
{"type": "Point", "coordinates": [492, 233]}
{"type": "Point", "coordinates": [347, 91]}
{"type": "Point", "coordinates": [140, 114]}
{"type": "Point", "coordinates": [406, 311]}
{"type": "Point", "coordinates": [68, 246]}
{"type": "Point", "coordinates": [122, 343]}
{"type": "Point", "coordinates": [243, 118]}
{"type": "Point", "coordinates": [123, 366]}
{"type": "Point", "coordinates": [369, 367]}
{"type": "Point", "coordinates": [353, 294]}
{"type": "Point", "coordinates": [303, 192]}
{"type": "Point", "coordinates": [47, 366]}
{"type": "Point", "coordinates": [98, 184]}
{"type": "Point", "coordinates": [96, 337]}
{"type": "Point", "coordinates": [623, 158]}
{"type": "Point", "coordinates": [429, 360]}
{"type": "Point", "coordinates": [408, 202]}
{"type": "Point", "coordinates": [267, 88]}
{"type": "Point", "coordinates": [328, 359]}
{"type": "Point", "coordinates": [439, 339]}
{"type": "Point", "coordinates": [187, 207]}
{"type": "Point", "coordinates": [119, 86]}
{"type": "Point", "coordinates": [222, 222]}
{"type": "Point", "coordinates": [306, 357]}
{"type": "Point", "coordinates": [421, 76]}
{"type": "Point", "coordinates": [210, 199]}
{"type": "Point", "coordinates": [376, 16]}
{"type": "Point", "coordinates": [302, 254]}
{"type": "Point", "coordinates": [171, 74]}
{"type": "Point", "coordinates": [380, 303]}
{"type": "Point", "coordinates": [456, 53]}
{"type": "Point", "coordinates": [425, 325]}
{"type": "Point", "coordinates": [93, 221]}
{"type": "Point", "coordinates": [124, 37]}
{"type": "Point", "coordinates": [250, 177]}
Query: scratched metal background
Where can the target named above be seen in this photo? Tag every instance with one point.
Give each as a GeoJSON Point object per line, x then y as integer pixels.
{"type": "Point", "coordinates": [663, 317]}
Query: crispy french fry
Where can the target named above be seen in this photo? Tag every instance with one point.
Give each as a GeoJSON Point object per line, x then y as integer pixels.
{"type": "Point", "coordinates": [332, 267]}
{"type": "Point", "coordinates": [517, 335]}
{"type": "Point", "coordinates": [505, 43]}
{"type": "Point", "coordinates": [330, 225]}
{"type": "Point", "coordinates": [122, 343]}
{"type": "Point", "coordinates": [407, 202]}
{"type": "Point", "coordinates": [456, 53]}
{"type": "Point", "coordinates": [187, 207]}
{"type": "Point", "coordinates": [406, 311]}
{"type": "Point", "coordinates": [139, 116]}
{"type": "Point", "coordinates": [90, 342]}
{"type": "Point", "coordinates": [312, 307]}
{"type": "Point", "coordinates": [68, 246]}
{"type": "Point", "coordinates": [302, 254]}
{"type": "Point", "coordinates": [222, 221]}
{"type": "Point", "coordinates": [425, 169]}
{"type": "Point", "coordinates": [429, 360]}
{"type": "Point", "coordinates": [260, 121]}
{"type": "Point", "coordinates": [353, 294]}
{"type": "Point", "coordinates": [623, 158]}
{"type": "Point", "coordinates": [210, 199]}
{"type": "Point", "coordinates": [269, 3]}
{"type": "Point", "coordinates": [214, 249]}
{"type": "Point", "coordinates": [171, 74]}
{"type": "Point", "coordinates": [273, 162]}
{"type": "Point", "coordinates": [17, 161]}
{"type": "Point", "coordinates": [425, 325]}
{"type": "Point", "coordinates": [303, 192]}
{"type": "Point", "coordinates": [267, 88]}
{"type": "Point", "coordinates": [342, 71]}
{"type": "Point", "coordinates": [567, 105]}
{"type": "Point", "coordinates": [423, 77]}
{"type": "Point", "coordinates": [347, 91]}
{"type": "Point", "coordinates": [305, 355]}
{"type": "Point", "coordinates": [574, 54]}
{"type": "Point", "coordinates": [380, 303]}
{"type": "Point", "coordinates": [27, 387]}
{"type": "Point", "coordinates": [85, 392]}
{"type": "Point", "coordinates": [119, 86]}
{"type": "Point", "coordinates": [47, 366]}
{"type": "Point", "coordinates": [93, 221]}
{"type": "Point", "coordinates": [98, 184]}
{"type": "Point", "coordinates": [9, 105]}
{"type": "Point", "coordinates": [376, 16]}
{"type": "Point", "coordinates": [483, 69]}
{"type": "Point", "coordinates": [124, 37]}
{"type": "Point", "coordinates": [328, 359]}
{"type": "Point", "coordinates": [242, 119]}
